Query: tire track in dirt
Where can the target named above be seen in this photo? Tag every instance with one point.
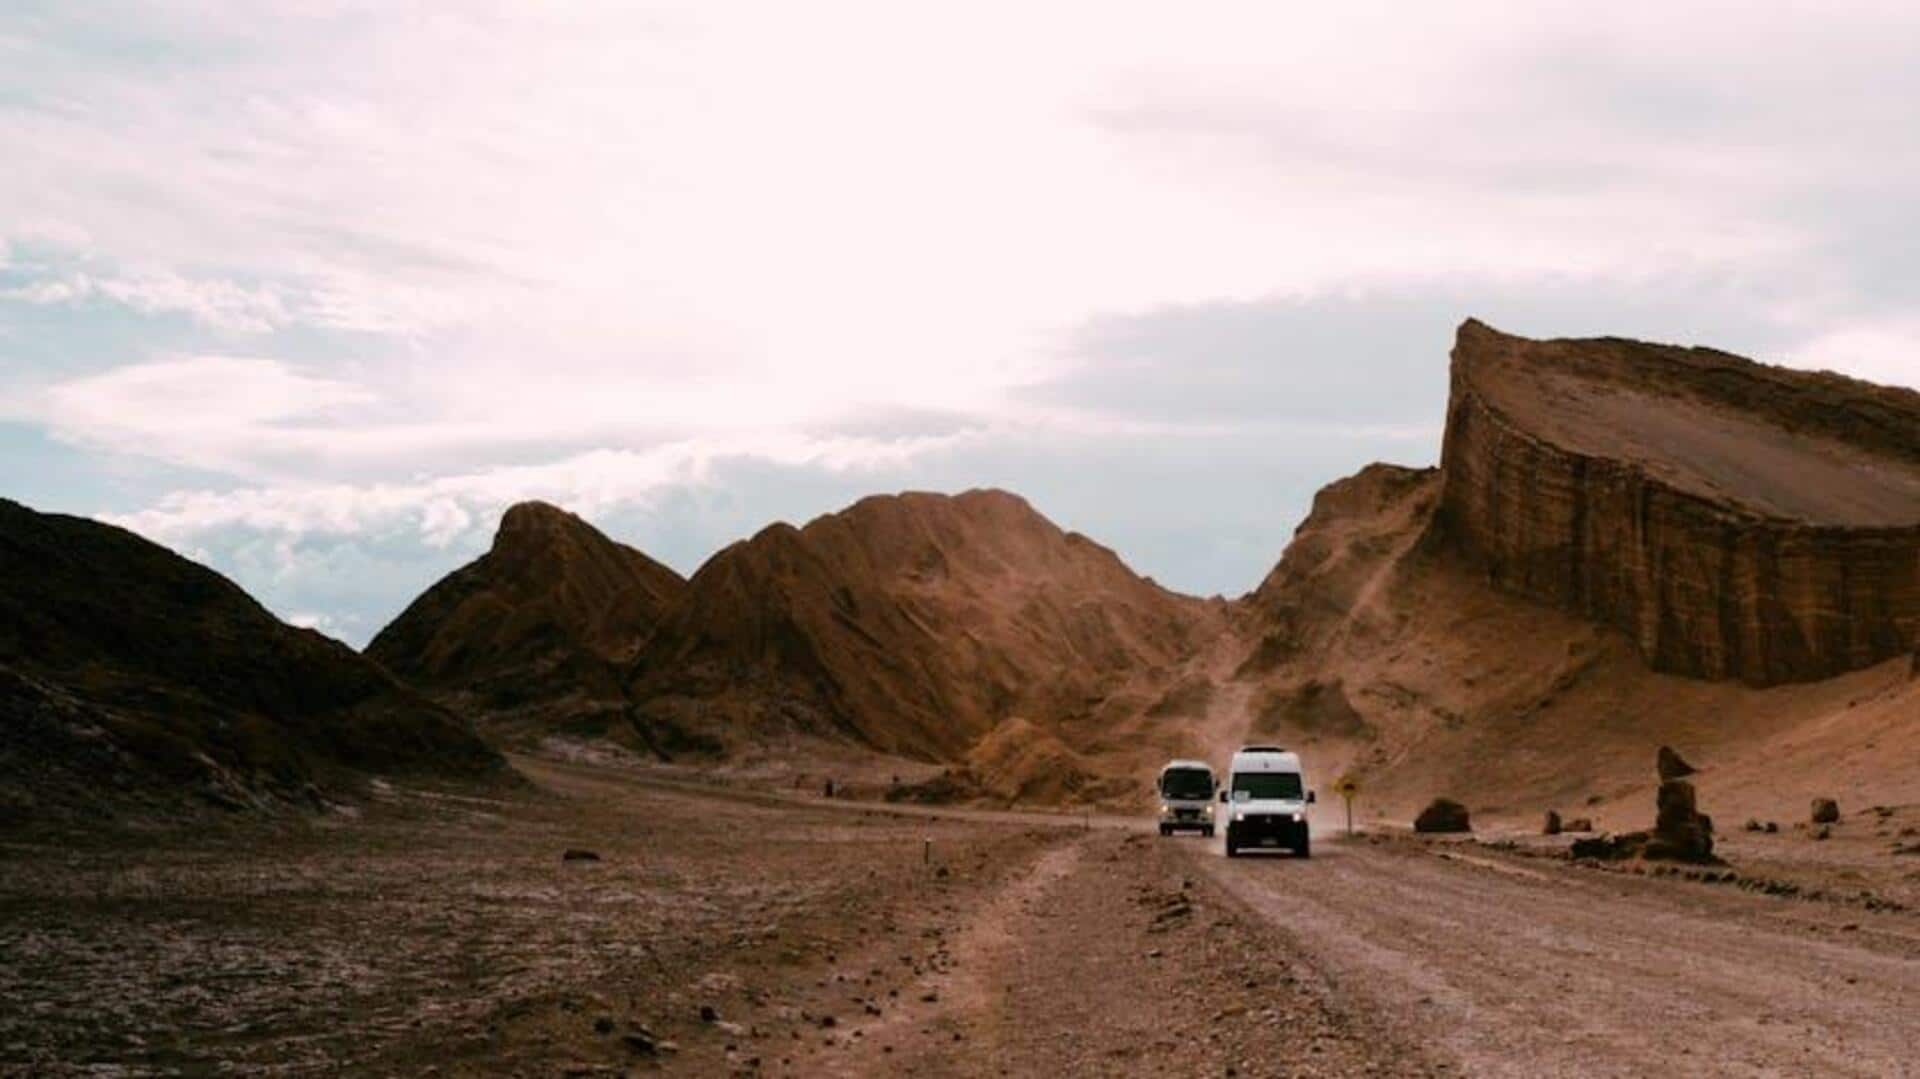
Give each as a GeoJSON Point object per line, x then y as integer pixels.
{"type": "Point", "coordinates": [1565, 973]}
{"type": "Point", "coordinates": [1109, 956]}
{"type": "Point", "coordinates": [949, 1018]}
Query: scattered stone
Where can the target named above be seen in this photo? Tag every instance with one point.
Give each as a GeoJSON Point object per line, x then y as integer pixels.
{"type": "Point", "coordinates": [603, 1024]}
{"type": "Point", "coordinates": [1825, 811]}
{"type": "Point", "coordinates": [1552, 825]}
{"type": "Point", "coordinates": [1608, 847]}
{"type": "Point", "coordinates": [1670, 765]}
{"type": "Point", "coordinates": [642, 1040]}
{"type": "Point", "coordinates": [577, 854]}
{"type": "Point", "coordinates": [1580, 824]}
{"type": "Point", "coordinates": [1754, 825]}
{"type": "Point", "coordinates": [1823, 832]}
{"type": "Point", "coordinates": [1443, 815]}
{"type": "Point", "coordinates": [709, 1014]}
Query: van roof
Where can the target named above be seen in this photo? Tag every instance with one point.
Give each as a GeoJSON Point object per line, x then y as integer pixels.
{"type": "Point", "coordinates": [1262, 759]}
{"type": "Point", "coordinates": [1171, 765]}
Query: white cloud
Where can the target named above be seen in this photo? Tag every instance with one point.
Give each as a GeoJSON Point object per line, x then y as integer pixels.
{"type": "Point", "coordinates": [214, 303]}
{"type": "Point", "coordinates": [311, 620]}
{"type": "Point", "coordinates": [218, 412]}
{"type": "Point", "coordinates": [440, 510]}
{"type": "Point", "coordinates": [1887, 352]}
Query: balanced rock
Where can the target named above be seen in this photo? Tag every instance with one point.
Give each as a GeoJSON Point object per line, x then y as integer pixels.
{"type": "Point", "coordinates": [1552, 825]}
{"type": "Point", "coordinates": [1825, 811]}
{"type": "Point", "coordinates": [1443, 815]}
{"type": "Point", "coordinates": [1680, 831]}
{"type": "Point", "coordinates": [1671, 765]}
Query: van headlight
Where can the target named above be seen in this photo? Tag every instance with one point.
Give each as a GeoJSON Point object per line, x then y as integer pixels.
{"type": "Point", "coordinates": [1165, 809]}
{"type": "Point", "coordinates": [1207, 809]}
{"type": "Point", "coordinates": [1294, 817]}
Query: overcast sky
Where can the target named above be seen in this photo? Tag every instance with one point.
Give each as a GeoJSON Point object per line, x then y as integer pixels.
{"type": "Point", "coordinates": [311, 291]}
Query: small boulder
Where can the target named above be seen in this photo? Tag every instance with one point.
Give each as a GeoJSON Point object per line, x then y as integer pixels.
{"type": "Point", "coordinates": [1552, 825]}
{"type": "Point", "coordinates": [1825, 811]}
{"type": "Point", "coordinates": [1755, 826]}
{"type": "Point", "coordinates": [1580, 824]}
{"type": "Point", "coordinates": [576, 854]}
{"type": "Point", "coordinates": [1443, 815]}
{"type": "Point", "coordinates": [1671, 766]}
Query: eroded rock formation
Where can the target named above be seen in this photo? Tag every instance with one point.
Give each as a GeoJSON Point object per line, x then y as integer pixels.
{"type": "Point", "coordinates": [532, 637]}
{"type": "Point", "coordinates": [1738, 521]}
{"type": "Point", "coordinates": [920, 624]}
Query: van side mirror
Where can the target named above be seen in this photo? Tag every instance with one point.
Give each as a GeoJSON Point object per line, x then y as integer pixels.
{"type": "Point", "coordinates": [1310, 798]}
{"type": "Point", "coordinates": [1223, 794]}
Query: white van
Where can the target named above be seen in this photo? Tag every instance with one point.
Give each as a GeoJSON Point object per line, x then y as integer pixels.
{"type": "Point", "coordinates": [1186, 797]}
{"type": "Point", "coordinates": [1266, 800]}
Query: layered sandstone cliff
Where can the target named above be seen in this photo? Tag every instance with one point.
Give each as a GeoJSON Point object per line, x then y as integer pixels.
{"type": "Point", "coordinates": [1737, 521]}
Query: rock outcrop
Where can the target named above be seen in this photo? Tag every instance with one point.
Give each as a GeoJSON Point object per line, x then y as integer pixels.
{"type": "Point", "coordinates": [132, 677]}
{"type": "Point", "coordinates": [1681, 833]}
{"type": "Point", "coordinates": [1738, 521]}
{"type": "Point", "coordinates": [535, 633]}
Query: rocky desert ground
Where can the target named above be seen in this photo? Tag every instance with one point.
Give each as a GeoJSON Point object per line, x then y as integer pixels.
{"type": "Point", "coordinates": [724, 929]}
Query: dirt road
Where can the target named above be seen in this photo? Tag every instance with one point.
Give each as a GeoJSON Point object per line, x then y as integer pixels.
{"type": "Point", "coordinates": [735, 932]}
{"type": "Point", "coordinates": [1508, 968]}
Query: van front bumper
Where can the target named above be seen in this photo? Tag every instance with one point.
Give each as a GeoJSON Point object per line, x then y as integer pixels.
{"type": "Point", "coordinates": [1186, 817]}
{"type": "Point", "coordinates": [1279, 829]}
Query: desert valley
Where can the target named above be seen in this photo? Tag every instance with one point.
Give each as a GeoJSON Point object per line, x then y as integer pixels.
{"type": "Point", "coordinates": [874, 794]}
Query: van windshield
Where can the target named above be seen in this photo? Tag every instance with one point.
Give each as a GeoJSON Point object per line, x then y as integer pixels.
{"type": "Point", "coordinates": [1186, 784]}
{"type": "Point", "coordinates": [1267, 786]}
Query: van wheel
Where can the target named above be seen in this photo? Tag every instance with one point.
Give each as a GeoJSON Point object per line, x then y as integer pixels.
{"type": "Point", "coordinates": [1207, 831]}
{"type": "Point", "coordinates": [1304, 850]}
{"type": "Point", "coordinates": [1165, 830]}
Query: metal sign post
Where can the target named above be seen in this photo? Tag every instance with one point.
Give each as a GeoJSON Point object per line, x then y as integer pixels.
{"type": "Point", "coordinates": [1348, 788]}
